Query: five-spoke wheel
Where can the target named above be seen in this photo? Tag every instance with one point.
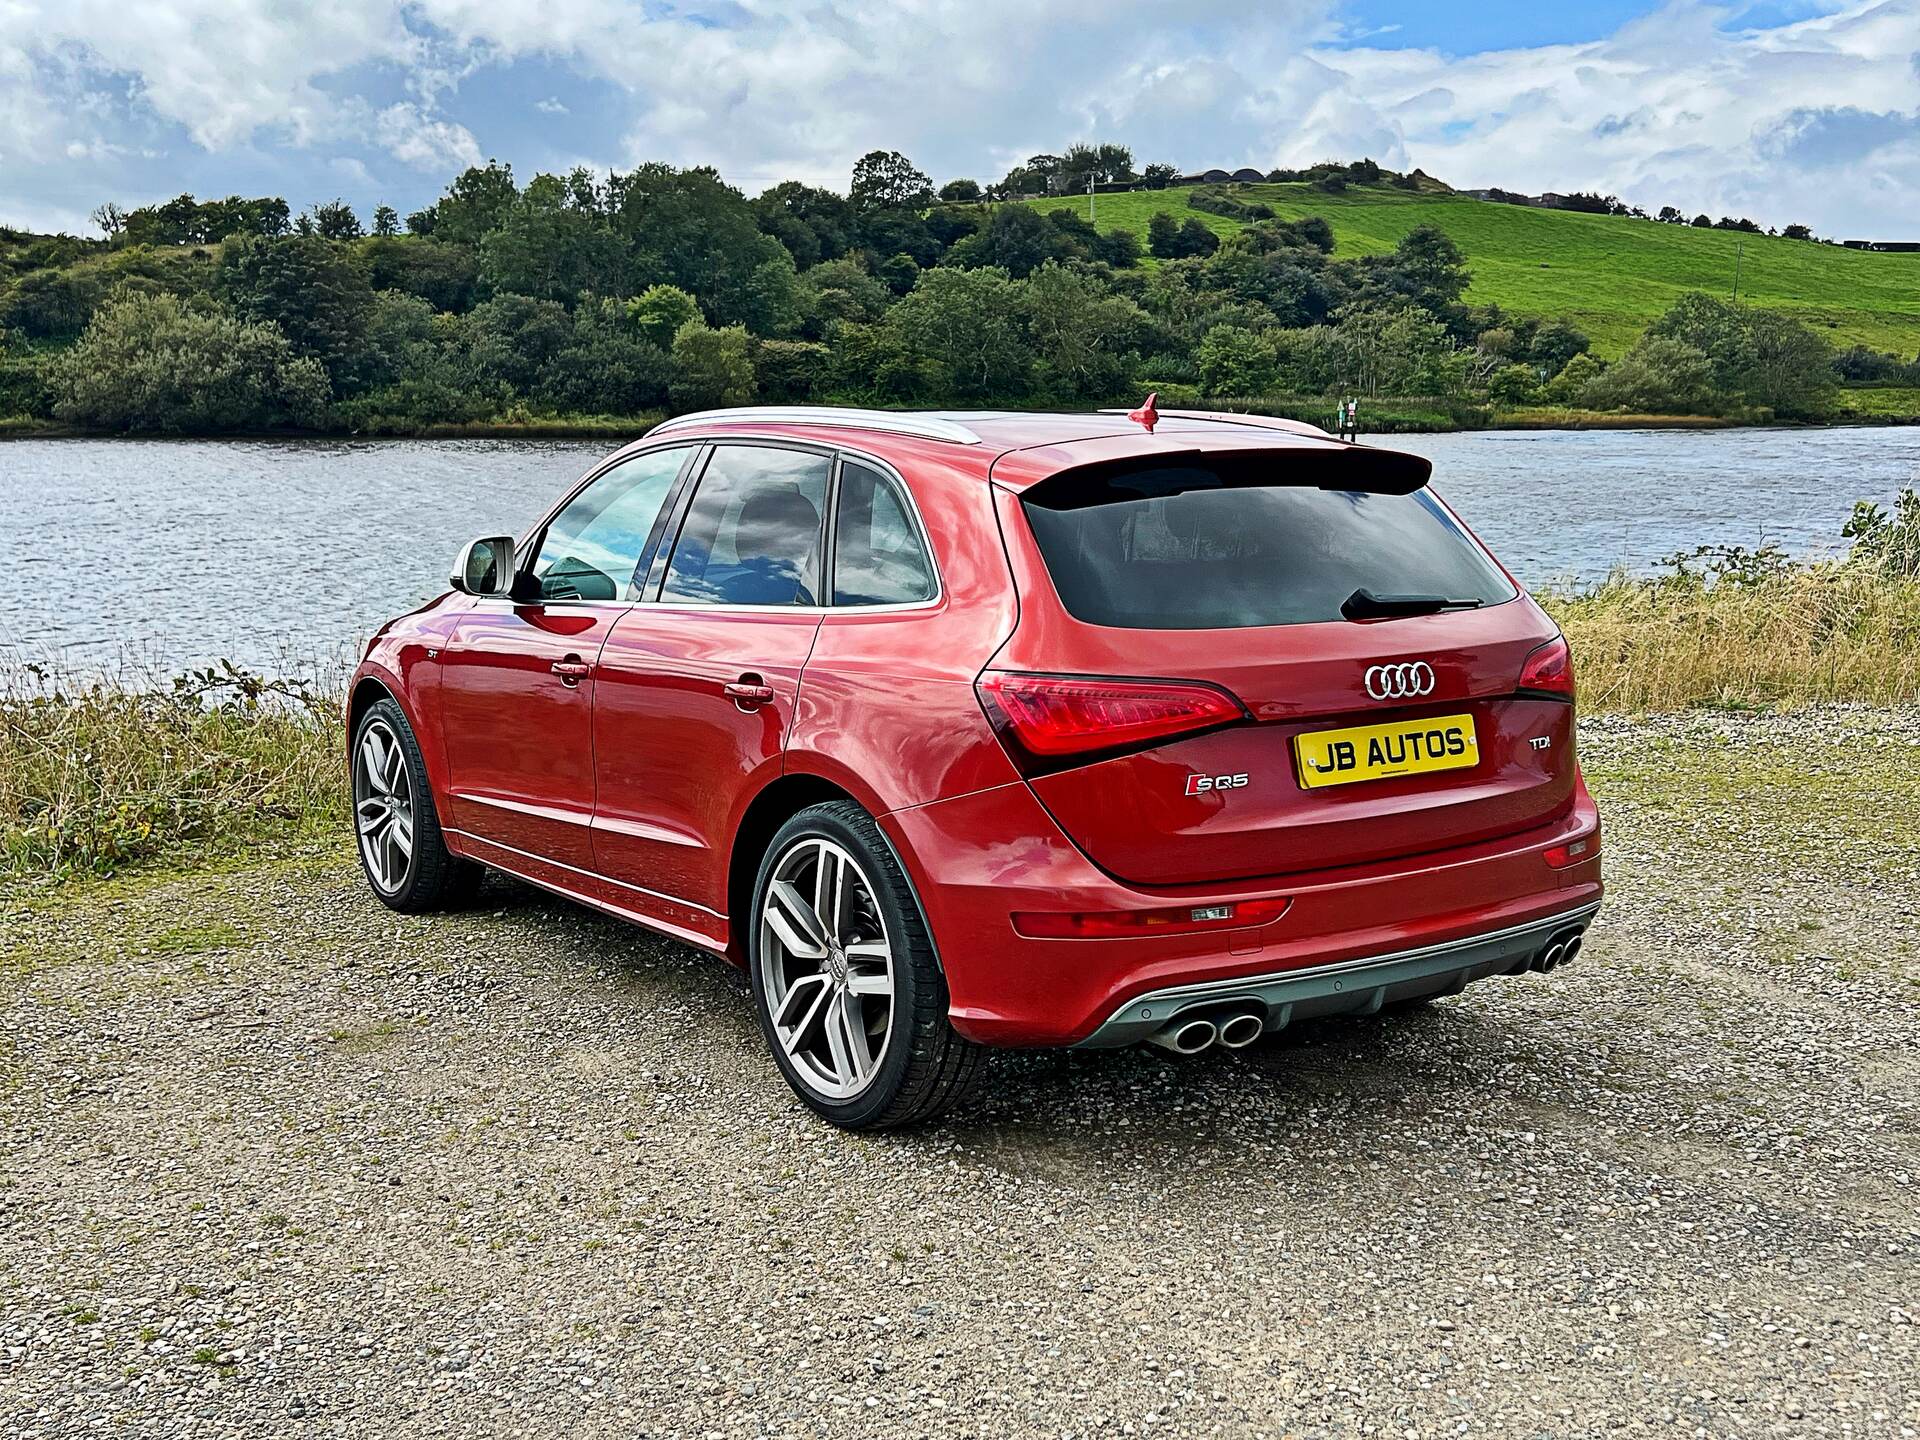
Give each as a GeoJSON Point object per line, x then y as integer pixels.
{"type": "Point", "coordinates": [827, 967]}
{"type": "Point", "coordinates": [383, 806]}
{"type": "Point", "coordinates": [849, 989]}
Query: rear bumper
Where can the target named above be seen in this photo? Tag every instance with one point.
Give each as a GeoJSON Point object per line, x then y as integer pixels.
{"type": "Point", "coordinates": [1347, 987]}
{"type": "Point", "coordinates": [1424, 921]}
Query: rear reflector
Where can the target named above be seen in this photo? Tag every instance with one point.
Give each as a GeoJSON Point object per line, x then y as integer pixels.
{"type": "Point", "coordinates": [1172, 920]}
{"type": "Point", "coordinates": [1587, 847]}
{"type": "Point", "coordinates": [1051, 719]}
{"type": "Point", "coordinates": [1549, 670]}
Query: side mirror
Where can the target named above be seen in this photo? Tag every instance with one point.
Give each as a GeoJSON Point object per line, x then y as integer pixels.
{"type": "Point", "coordinates": [484, 567]}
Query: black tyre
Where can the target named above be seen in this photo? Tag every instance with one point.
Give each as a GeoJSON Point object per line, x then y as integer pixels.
{"type": "Point", "coordinates": [845, 980]}
{"type": "Point", "coordinates": [396, 828]}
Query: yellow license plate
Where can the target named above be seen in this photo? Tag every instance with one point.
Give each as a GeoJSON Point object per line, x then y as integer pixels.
{"type": "Point", "coordinates": [1380, 752]}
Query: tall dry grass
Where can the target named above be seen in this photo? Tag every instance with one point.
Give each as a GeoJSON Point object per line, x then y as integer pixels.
{"type": "Point", "coordinates": [1804, 634]}
{"type": "Point", "coordinates": [95, 774]}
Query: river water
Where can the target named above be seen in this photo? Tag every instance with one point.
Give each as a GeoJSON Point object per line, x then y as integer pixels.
{"type": "Point", "coordinates": [155, 555]}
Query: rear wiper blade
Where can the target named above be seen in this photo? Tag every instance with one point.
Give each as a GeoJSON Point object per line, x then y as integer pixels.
{"type": "Point", "coordinates": [1363, 604]}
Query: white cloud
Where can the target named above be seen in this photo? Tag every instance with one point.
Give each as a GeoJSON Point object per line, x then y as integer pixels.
{"type": "Point", "coordinates": [1813, 120]}
{"type": "Point", "coordinates": [351, 170]}
{"type": "Point", "coordinates": [416, 139]}
{"type": "Point", "coordinates": [221, 68]}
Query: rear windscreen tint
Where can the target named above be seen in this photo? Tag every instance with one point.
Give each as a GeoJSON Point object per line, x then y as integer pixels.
{"type": "Point", "coordinates": [1202, 548]}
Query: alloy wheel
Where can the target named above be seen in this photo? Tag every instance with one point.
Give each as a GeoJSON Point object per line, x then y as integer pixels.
{"type": "Point", "coordinates": [383, 806]}
{"type": "Point", "coordinates": [826, 962]}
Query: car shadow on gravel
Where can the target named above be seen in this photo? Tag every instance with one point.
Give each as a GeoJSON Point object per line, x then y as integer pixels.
{"type": "Point", "coordinates": [1382, 1071]}
{"type": "Point", "coordinates": [1043, 1108]}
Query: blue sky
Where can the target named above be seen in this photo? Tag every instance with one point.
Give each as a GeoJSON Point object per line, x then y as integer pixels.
{"type": "Point", "coordinates": [1492, 25]}
{"type": "Point", "coordinates": [1786, 110]}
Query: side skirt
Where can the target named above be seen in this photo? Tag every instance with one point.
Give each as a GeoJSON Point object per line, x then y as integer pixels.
{"type": "Point", "coordinates": [682, 920]}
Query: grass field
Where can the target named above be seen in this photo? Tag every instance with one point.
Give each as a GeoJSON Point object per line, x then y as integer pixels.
{"type": "Point", "coordinates": [1880, 401]}
{"type": "Point", "coordinates": [1607, 274]}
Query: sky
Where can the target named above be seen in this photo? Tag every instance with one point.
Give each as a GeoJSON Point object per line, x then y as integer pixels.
{"type": "Point", "coordinates": [1783, 110]}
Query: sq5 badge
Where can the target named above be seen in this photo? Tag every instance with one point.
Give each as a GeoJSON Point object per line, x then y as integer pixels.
{"type": "Point", "coordinates": [1203, 784]}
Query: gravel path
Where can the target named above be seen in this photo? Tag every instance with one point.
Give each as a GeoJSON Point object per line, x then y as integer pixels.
{"type": "Point", "coordinates": [275, 1162]}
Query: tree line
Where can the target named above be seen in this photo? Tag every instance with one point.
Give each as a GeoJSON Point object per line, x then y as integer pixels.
{"type": "Point", "coordinates": [667, 289]}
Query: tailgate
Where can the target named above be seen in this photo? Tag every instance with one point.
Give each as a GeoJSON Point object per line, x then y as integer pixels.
{"type": "Point", "coordinates": [1232, 803]}
{"type": "Point", "coordinates": [1243, 581]}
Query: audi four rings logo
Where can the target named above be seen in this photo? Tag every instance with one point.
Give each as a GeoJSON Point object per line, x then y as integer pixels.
{"type": "Point", "coordinates": [1400, 682]}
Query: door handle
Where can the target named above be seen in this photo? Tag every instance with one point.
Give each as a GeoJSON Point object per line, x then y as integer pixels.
{"type": "Point", "coordinates": [748, 692]}
{"type": "Point", "coordinates": [571, 670]}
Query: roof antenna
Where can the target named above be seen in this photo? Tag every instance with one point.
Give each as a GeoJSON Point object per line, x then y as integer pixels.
{"type": "Point", "coordinates": [1149, 413]}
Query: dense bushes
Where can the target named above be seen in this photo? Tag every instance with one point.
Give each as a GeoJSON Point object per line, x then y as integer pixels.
{"type": "Point", "coordinates": [149, 363]}
{"type": "Point", "coordinates": [1710, 357]}
{"type": "Point", "coordinates": [1169, 239]}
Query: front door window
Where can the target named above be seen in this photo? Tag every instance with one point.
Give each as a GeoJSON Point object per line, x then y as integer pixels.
{"type": "Point", "coordinates": [594, 548]}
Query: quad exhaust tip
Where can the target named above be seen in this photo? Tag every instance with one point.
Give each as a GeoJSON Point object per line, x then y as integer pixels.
{"type": "Point", "coordinates": [1235, 1030]}
{"type": "Point", "coordinates": [1561, 952]}
{"type": "Point", "coordinates": [1186, 1037]}
{"type": "Point", "coordinates": [1241, 1030]}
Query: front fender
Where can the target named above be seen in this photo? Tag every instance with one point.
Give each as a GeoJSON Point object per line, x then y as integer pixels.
{"type": "Point", "coordinates": [413, 686]}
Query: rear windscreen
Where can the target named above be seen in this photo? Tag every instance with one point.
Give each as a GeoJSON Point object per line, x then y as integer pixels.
{"type": "Point", "coordinates": [1206, 547]}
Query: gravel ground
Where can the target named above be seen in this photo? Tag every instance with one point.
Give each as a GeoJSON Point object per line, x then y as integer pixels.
{"type": "Point", "coordinates": [277, 1162]}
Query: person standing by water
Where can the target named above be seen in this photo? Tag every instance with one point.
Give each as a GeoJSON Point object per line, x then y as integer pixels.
{"type": "Point", "coordinates": [1349, 421]}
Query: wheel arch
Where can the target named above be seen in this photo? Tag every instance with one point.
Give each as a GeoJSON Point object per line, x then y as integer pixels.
{"type": "Point", "coordinates": [775, 804]}
{"type": "Point", "coordinates": [372, 684]}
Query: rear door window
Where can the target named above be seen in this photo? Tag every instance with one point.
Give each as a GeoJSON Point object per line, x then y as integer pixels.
{"type": "Point", "coordinates": [1201, 547]}
{"type": "Point", "coordinates": [753, 533]}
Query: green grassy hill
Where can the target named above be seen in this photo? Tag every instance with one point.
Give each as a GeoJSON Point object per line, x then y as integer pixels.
{"type": "Point", "coordinates": [1608, 274]}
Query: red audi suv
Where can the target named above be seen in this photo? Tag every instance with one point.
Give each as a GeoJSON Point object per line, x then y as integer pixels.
{"type": "Point", "coordinates": [973, 730]}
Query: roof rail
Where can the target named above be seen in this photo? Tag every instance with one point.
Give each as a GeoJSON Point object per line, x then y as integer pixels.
{"type": "Point", "coordinates": [1240, 417]}
{"type": "Point", "coordinates": [894, 422]}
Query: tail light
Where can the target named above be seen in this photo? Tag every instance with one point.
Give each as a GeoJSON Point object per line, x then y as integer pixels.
{"type": "Point", "coordinates": [1051, 721]}
{"type": "Point", "coordinates": [1549, 670]}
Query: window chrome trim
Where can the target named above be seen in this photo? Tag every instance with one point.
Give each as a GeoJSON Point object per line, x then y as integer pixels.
{"type": "Point", "coordinates": [893, 422]}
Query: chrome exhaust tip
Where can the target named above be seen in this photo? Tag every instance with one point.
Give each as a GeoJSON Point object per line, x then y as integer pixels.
{"type": "Point", "coordinates": [1186, 1037]}
{"type": "Point", "coordinates": [1561, 952]}
{"type": "Point", "coordinates": [1240, 1030]}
